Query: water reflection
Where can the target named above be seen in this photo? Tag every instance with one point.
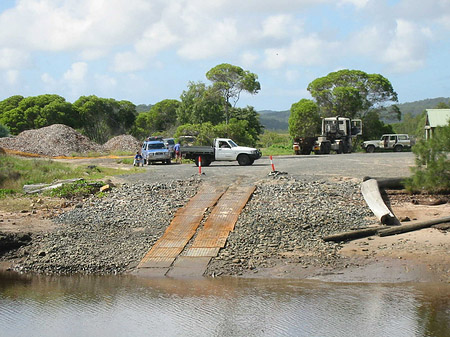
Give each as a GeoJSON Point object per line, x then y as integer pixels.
{"type": "Point", "coordinates": [128, 306]}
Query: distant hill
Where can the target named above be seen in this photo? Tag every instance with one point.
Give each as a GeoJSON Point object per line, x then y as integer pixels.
{"type": "Point", "coordinates": [274, 120]}
{"type": "Point", "coordinates": [417, 107]}
{"type": "Point", "coordinates": [143, 107]}
{"type": "Point", "coordinates": [278, 120]}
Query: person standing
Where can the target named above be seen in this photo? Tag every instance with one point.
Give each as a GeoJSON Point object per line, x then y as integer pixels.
{"type": "Point", "coordinates": [177, 149]}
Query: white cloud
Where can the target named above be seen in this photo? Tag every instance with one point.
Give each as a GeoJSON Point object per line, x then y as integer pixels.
{"type": "Point", "coordinates": [356, 3]}
{"type": "Point", "coordinates": [216, 40]}
{"type": "Point", "coordinates": [306, 51]}
{"type": "Point", "coordinates": [402, 46]}
{"type": "Point", "coordinates": [12, 77]}
{"type": "Point", "coordinates": [76, 73]}
{"type": "Point", "coordinates": [128, 62]}
{"type": "Point", "coordinates": [249, 59]}
{"type": "Point", "coordinates": [278, 26]}
{"type": "Point", "coordinates": [12, 58]}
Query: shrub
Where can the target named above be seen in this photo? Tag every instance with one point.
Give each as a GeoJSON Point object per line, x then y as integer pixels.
{"type": "Point", "coordinates": [4, 131]}
{"type": "Point", "coordinates": [432, 171]}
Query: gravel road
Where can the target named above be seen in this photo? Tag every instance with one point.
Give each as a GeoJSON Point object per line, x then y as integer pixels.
{"type": "Point", "coordinates": [283, 221]}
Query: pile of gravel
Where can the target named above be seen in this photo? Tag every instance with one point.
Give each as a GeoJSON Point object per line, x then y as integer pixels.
{"type": "Point", "coordinates": [122, 143]}
{"type": "Point", "coordinates": [106, 235]}
{"type": "Point", "coordinates": [54, 140]}
{"type": "Point", "coordinates": [286, 220]}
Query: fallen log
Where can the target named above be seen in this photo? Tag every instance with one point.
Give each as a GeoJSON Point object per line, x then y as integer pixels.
{"type": "Point", "coordinates": [389, 183]}
{"type": "Point", "coordinates": [372, 196]}
{"type": "Point", "coordinates": [412, 227]}
{"type": "Point", "coordinates": [352, 235]}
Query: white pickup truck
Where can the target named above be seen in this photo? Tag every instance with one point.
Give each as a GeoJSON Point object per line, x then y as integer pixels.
{"type": "Point", "coordinates": [223, 149]}
{"type": "Point", "coordinates": [396, 142]}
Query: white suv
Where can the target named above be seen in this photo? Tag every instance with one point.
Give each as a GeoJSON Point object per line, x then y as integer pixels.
{"type": "Point", "coordinates": [396, 142]}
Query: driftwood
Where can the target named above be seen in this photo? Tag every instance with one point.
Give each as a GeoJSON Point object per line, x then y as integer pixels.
{"type": "Point", "coordinates": [383, 230]}
{"type": "Point", "coordinates": [352, 235]}
{"type": "Point", "coordinates": [390, 183]}
{"type": "Point", "coordinates": [412, 227]}
{"type": "Point", "coordinates": [372, 196]}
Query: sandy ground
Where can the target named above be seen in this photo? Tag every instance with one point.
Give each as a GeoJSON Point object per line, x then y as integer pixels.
{"type": "Point", "coordinates": [418, 256]}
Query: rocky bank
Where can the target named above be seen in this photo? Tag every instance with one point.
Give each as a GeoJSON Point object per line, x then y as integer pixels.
{"type": "Point", "coordinates": [284, 221]}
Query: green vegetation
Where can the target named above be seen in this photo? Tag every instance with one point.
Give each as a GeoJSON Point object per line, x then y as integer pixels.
{"type": "Point", "coordinates": [275, 144]}
{"type": "Point", "coordinates": [80, 188]}
{"type": "Point", "coordinates": [4, 131]}
{"type": "Point", "coordinates": [432, 171]}
{"type": "Point", "coordinates": [305, 119]}
{"type": "Point", "coordinates": [16, 172]}
{"type": "Point", "coordinates": [229, 81]}
{"type": "Point", "coordinates": [350, 93]}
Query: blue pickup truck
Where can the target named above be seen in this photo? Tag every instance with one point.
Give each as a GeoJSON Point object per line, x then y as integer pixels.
{"type": "Point", "coordinates": [155, 150]}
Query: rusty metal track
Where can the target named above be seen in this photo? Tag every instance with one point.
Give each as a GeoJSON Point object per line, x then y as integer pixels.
{"type": "Point", "coordinates": [210, 238]}
{"type": "Point", "coordinates": [223, 218]}
{"type": "Point", "coordinates": [181, 229]}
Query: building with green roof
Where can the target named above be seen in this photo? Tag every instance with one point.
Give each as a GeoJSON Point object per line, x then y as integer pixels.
{"type": "Point", "coordinates": [435, 118]}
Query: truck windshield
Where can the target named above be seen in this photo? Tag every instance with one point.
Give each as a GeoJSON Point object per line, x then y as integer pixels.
{"type": "Point", "coordinates": [233, 144]}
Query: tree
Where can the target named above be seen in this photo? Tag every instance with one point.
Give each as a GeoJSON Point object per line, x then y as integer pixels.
{"type": "Point", "coordinates": [162, 116]}
{"type": "Point", "coordinates": [432, 170]}
{"type": "Point", "coordinates": [102, 118]}
{"type": "Point", "coordinates": [200, 104]}
{"type": "Point", "coordinates": [373, 127]}
{"type": "Point", "coordinates": [38, 111]}
{"type": "Point", "coordinates": [351, 93]}
{"type": "Point", "coordinates": [10, 103]}
{"type": "Point", "coordinates": [254, 127]}
{"type": "Point", "coordinates": [230, 81]}
{"type": "Point", "coordinates": [304, 120]}
{"type": "Point", "coordinates": [4, 131]}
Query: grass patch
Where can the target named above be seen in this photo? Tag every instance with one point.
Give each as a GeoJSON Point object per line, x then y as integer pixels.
{"type": "Point", "coordinates": [80, 188]}
{"type": "Point", "coordinates": [126, 161]}
{"type": "Point", "coordinates": [277, 150]}
{"type": "Point", "coordinates": [16, 172]}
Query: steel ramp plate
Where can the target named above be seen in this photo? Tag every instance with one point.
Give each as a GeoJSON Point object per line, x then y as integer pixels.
{"type": "Point", "coordinates": [212, 236]}
{"type": "Point", "coordinates": [157, 262]}
{"type": "Point", "coordinates": [201, 252]}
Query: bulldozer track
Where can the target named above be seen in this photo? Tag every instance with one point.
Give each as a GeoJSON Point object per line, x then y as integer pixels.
{"type": "Point", "coordinates": [186, 247]}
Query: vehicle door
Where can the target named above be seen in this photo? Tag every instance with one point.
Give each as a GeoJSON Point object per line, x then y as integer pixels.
{"type": "Point", "coordinates": [223, 151]}
{"type": "Point", "coordinates": [392, 141]}
{"type": "Point", "coordinates": [384, 143]}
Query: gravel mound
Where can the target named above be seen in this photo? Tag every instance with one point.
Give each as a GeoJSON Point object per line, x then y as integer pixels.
{"type": "Point", "coordinates": [107, 235]}
{"type": "Point", "coordinates": [54, 140]}
{"type": "Point", "coordinates": [122, 143]}
{"type": "Point", "coordinates": [285, 221]}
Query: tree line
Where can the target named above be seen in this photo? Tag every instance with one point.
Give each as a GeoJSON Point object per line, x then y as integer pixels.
{"type": "Point", "coordinates": [203, 110]}
{"type": "Point", "coordinates": [209, 110]}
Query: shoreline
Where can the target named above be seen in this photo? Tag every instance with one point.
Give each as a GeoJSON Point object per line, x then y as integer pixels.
{"type": "Point", "coordinates": [420, 256]}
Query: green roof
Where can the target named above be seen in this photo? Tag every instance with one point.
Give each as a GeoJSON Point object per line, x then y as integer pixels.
{"type": "Point", "coordinates": [437, 117]}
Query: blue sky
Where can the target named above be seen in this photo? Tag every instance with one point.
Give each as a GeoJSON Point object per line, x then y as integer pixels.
{"type": "Point", "coordinates": [145, 51]}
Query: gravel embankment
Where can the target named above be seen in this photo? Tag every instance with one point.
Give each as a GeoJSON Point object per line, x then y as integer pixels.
{"type": "Point", "coordinates": [283, 221]}
{"type": "Point", "coordinates": [107, 235]}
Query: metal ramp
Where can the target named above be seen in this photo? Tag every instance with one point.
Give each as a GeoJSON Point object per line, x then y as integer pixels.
{"type": "Point", "coordinates": [170, 256]}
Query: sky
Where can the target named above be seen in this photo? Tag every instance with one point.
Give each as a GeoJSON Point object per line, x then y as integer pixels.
{"type": "Point", "coordinates": [145, 51]}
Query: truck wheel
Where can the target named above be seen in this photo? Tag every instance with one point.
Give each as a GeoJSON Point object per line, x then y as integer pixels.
{"type": "Point", "coordinates": [168, 161]}
{"type": "Point", "coordinates": [398, 148]}
{"type": "Point", "coordinates": [340, 148]}
{"type": "Point", "coordinates": [370, 149]}
{"type": "Point", "coordinates": [243, 160]}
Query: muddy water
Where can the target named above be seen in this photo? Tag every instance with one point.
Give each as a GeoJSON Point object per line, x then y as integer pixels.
{"type": "Point", "coordinates": [127, 306]}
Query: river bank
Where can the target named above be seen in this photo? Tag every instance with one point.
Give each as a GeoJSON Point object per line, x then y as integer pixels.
{"type": "Point", "coordinates": [278, 234]}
